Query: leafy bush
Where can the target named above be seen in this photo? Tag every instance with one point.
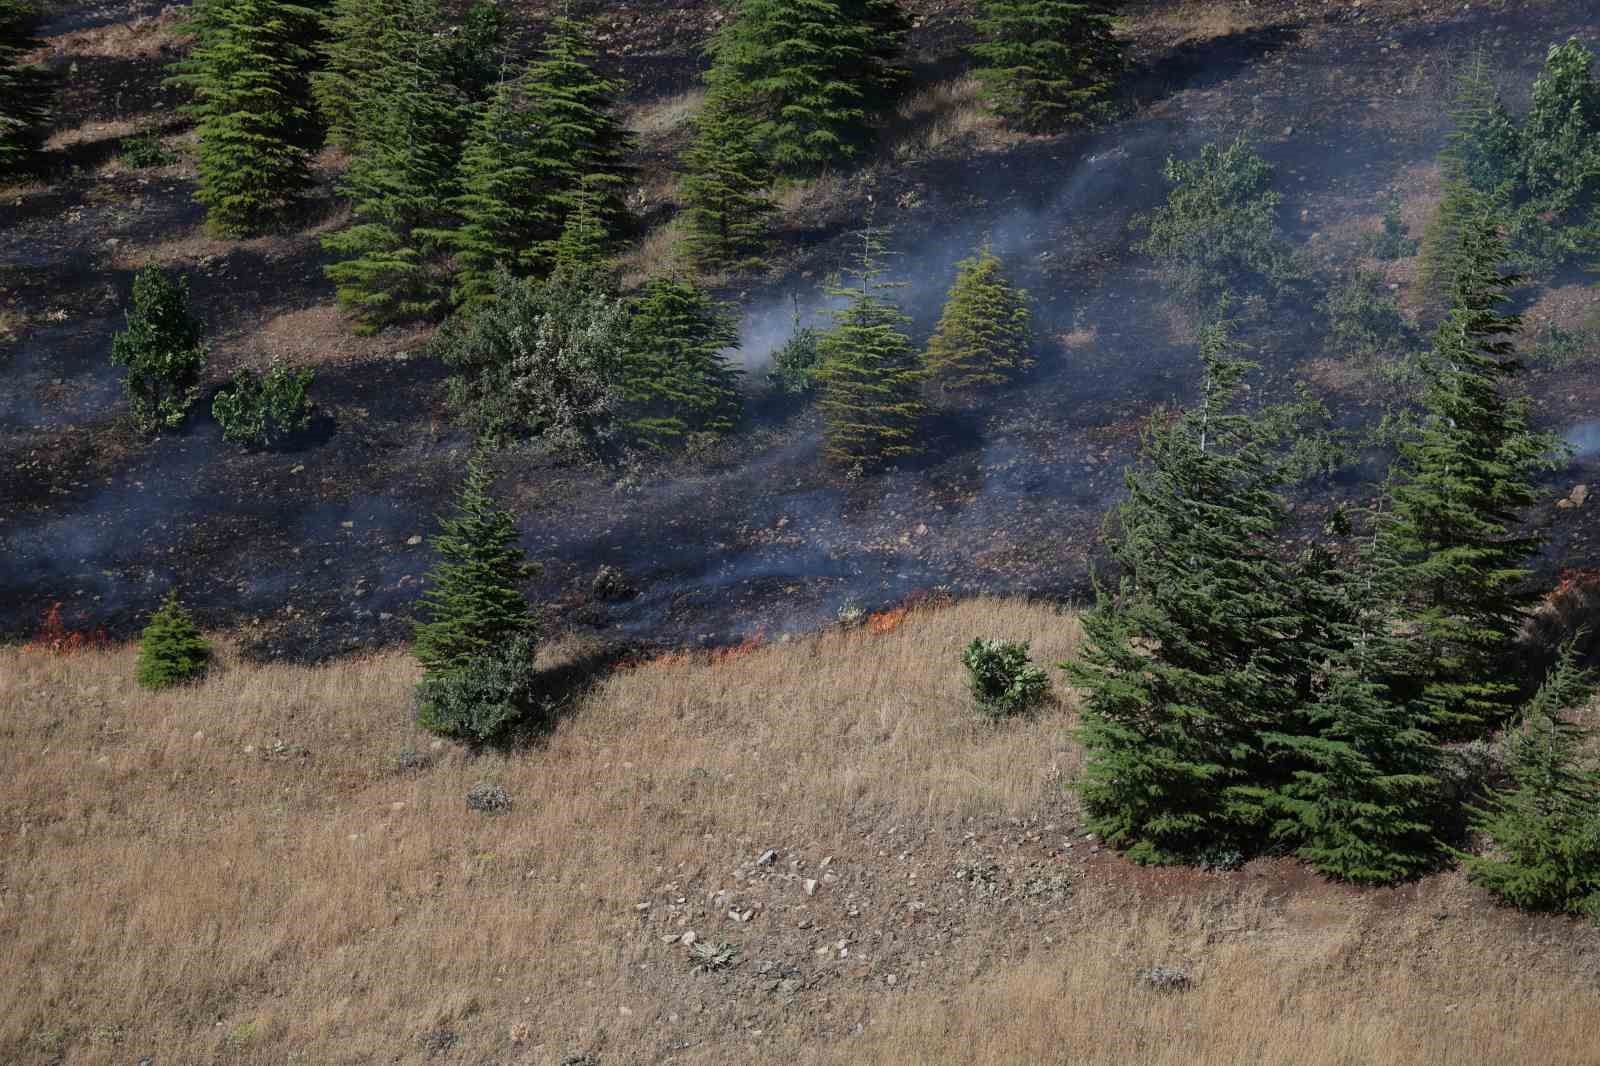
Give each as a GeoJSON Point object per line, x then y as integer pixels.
{"type": "Point", "coordinates": [483, 698]}
{"type": "Point", "coordinates": [1394, 241]}
{"type": "Point", "coordinates": [1218, 231]}
{"type": "Point", "coordinates": [1556, 347]}
{"type": "Point", "coordinates": [794, 364]}
{"type": "Point", "coordinates": [543, 359]}
{"type": "Point", "coordinates": [171, 649]}
{"type": "Point", "coordinates": [161, 350]}
{"type": "Point", "coordinates": [1363, 318]}
{"type": "Point", "coordinates": [260, 407]}
{"type": "Point", "coordinates": [1003, 679]}
{"type": "Point", "coordinates": [145, 150]}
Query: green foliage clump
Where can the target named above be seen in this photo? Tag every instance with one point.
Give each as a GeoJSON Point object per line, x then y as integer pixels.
{"type": "Point", "coordinates": [485, 697]}
{"type": "Point", "coordinates": [1002, 677]}
{"type": "Point", "coordinates": [171, 649]}
{"type": "Point", "coordinates": [1190, 663]}
{"type": "Point", "coordinates": [811, 73]}
{"type": "Point", "coordinates": [1045, 64]}
{"type": "Point", "coordinates": [726, 193]}
{"type": "Point", "coordinates": [1556, 347]}
{"type": "Point", "coordinates": [1394, 240]}
{"type": "Point", "coordinates": [143, 151]}
{"type": "Point", "coordinates": [1545, 826]}
{"type": "Point", "coordinates": [473, 600]}
{"type": "Point", "coordinates": [1462, 479]}
{"type": "Point", "coordinates": [794, 365]}
{"type": "Point", "coordinates": [404, 126]}
{"type": "Point", "coordinates": [351, 52]}
{"type": "Point", "coordinates": [257, 408]}
{"type": "Point", "coordinates": [161, 350]}
{"type": "Point", "coordinates": [1218, 231]}
{"type": "Point", "coordinates": [25, 89]}
{"type": "Point", "coordinates": [1364, 320]}
{"type": "Point", "coordinates": [985, 334]}
{"type": "Point", "coordinates": [870, 374]}
{"type": "Point", "coordinates": [547, 147]}
{"type": "Point", "coordinates": [249, 79]}
{"type": "Point", "coordinates": [543, 360]}
{"type": "Point", "coordinates": [1560, 162]}
{"type": "Point", "coordinates": [676, 379]}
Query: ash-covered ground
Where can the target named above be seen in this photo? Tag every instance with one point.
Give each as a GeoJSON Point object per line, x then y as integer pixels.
{"type": "Point", "coordinates": [320, 546]}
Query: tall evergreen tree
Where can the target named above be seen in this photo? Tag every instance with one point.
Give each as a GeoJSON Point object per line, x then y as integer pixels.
{"type": "Point", "coordinates": [352, 52]}
{"type": "Point", "coordinates": [400, 177]}
{"type": "Point", "coordinates": [24, 88]}
{"type": "Point", "coordinates": [1460, 485]}
{"type": "Point", "coordinates": [473, 599]}
{"type": "Point", "coordinates": [726, 193]}
{"type": "Point", "coordinates": [1191, 662]}
{"type": "Point", "coordinates": [985, 334]}
{"type": "Point", "coordinates": [1545, 827]}
{"type": "Point", "coordinates": [249, 78]}
{"type": "Point", "coordinates": [1045, 64]}
{"type": "Point", "coordinates": [812, 73]}
{"type": "Point", "coordinates": [545, 146]}
{"type": "Point", "coordinates": [869, 373]}
{"type": "Point", "coordinates": [676, 377]}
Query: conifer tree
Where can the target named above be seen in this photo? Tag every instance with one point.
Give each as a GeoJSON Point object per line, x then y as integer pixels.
{"type": "Point", "coordinates": [1460, 485]}
{"type": "Point", "coordinates": [587, 244]}
{"type": "Point", "coordinates": [249, 80]}
{"type": "Point", "coordinates": [161, 349]}
{"type": "Point", "coordinates": [171, 649]}
{"type": "Point", "coordinates": [812, 73]}
{"type": "Point", "coordinates": [1190, 663]}
{"type": "Point", "coordinates": [1045, 64]}
{"type": "Point", "coordinates": [400, 177]}
{"type": "Point", "coordinates": [726, 193]}
{"type": "Point", "coordinates": [985, 334]}
{"type": "Point", "coordinates": [676, 377]}
{"type": "Point", "coordinates": [1484, 143]}
{"type": "Point", "coordinates": [869, 373]}
{"type": "Point", "coordinates": [24, 89]}
{"type": "Point", "coordinates": [352, 52]}
{"type": "Point", "coordinates": [1545, 827]}
{"type": "Point", "coordinates": [473, 600]}
{"type": "Point", "coordinates": [546, 145]}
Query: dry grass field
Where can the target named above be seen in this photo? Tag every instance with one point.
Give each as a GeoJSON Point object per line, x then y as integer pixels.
{"type": "Point", "coordinates": [254, 870]}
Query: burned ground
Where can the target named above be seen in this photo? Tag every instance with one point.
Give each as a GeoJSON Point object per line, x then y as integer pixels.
{"type": "Point", "coordinates": [314, 548]}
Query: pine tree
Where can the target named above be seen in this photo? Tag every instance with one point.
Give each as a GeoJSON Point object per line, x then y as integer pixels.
{"type": "Point", "coordinates": [869, 373]}
{"type": "Point", "coordinates": [812, 73]}
{"type": "Point", "coordinates": [352, 51]}
{"type": "Point", "coordinates": [171, 649]}
{"type": "Point", "coordinates": [1359, 790]}
{"type": "Point", "coordinates": [1484, 144]}
{"type": "Point", "coordinates": [1045, 64]}
{"type": "Point", "coordinates": [400, 177]}
{"type": "Point", "coordinates": [547, 145]}
{"type": "Point", "coordinates": [1459, 486]}
{"type": "Point", "coordinates": [24, 89]}
{"type": "Point", "coordinates": [473, 600]}
{"type": "Point", "coordinates": [1191, 662]}
{"type": "Point", "coordinates": [161, 349]}
{"type": "Point", "coordinates": [985, 335]}
{"type": "Point", "coordinates": [676, 378]}
{"type": "Point", "coordinates": [1545, 827]}
{"type": "Point", "coordinates": [249, 76]}
{"type": "Point", "coordinates": [727, 202]}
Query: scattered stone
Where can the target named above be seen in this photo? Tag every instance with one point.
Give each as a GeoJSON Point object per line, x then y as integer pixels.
{"type": "Point", "coordinates": [491, 799]}
{"type": "Point", "coordinates": [437, 1041]}
{"type": "Point", "coordinates": [1167, 978]}
{"type": "Point", "coordinates": [611, 584]}
{"type": "Point", "coordinates": [413, 541]}
{"type": "Point", "coordinates": [810, 885]}
{"type": "Point", "coordinates": [411, 761]}
{"type": "Point", "coordinates": [768, 857]}
{"type": "Point", "coordinates": [688, 938]}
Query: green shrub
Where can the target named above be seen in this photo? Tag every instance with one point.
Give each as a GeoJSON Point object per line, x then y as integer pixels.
{"type": "Point", "coordinates": [257, 408]}
{"type": "Point", "coordinates": [161, 350]}
{"type": "Point", "coordinates": [1003, 679]}
{"type": "Point", "coordinates": [1218, 231]}
{"type": "Point", "coordinates": [1363, 318]}
{"type": "Point", "coordinates": [794, 365]}
{"type": "Point", "coordinates": [1394, 241]}
{"type": "Point", "coordinates": [1559, 348]}
{"type": "Point", "coordinates": [171, 649]}
{"type": "Point", "coordinates": [144, 150]}
{"type": "Point", "coordinates": [483, 698]}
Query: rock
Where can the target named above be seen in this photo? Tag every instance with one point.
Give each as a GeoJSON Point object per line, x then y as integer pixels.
{"type": "Point", "coordinates": [611, 584]}
{"type": "Point", "coordinates": [810, 885]}
{"type": "Point", "coordinates": [688, 938]}
{"type": "Point", "coordinates": [789, 986]}
{"type": "Point", "coordinates": [413, 541]}
{"type": "Point", "coordinates": [1579, 496]}
{"type": "Point", "coordinates": [490, 799]}
{"type": "Point", "coordinates": [768, 857]}
{"type": "Point", "coordinates": [1166, 978]}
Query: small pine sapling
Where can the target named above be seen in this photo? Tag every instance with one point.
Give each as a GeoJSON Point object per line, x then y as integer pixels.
{"type": "Point", "coordinates": [171, 649]}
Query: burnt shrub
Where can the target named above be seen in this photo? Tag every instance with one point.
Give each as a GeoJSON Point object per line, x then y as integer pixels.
{"type": "Point", "coordinates": [1003, 679]}
{"type": "Point", "coordinates": [485, 697]}
{"type": "Point", "coordinates": [258, 408]}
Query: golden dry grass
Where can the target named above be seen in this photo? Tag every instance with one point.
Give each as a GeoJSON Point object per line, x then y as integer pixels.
{"type": "Point", "coordinates": [238, 871]}
{"type": "Point", "coordinates": [945, 115]}
{"type": "Point", "coordinates": [665, 116]}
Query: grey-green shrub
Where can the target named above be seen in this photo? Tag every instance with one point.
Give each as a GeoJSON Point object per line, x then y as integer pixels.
{"type": "Point", "coordinates": [161, 350]}
{"type": "Point", "coordinates": [485, 697]}
{"type": "Point", "coordinates": [258, 408]}
{"type": "Point", "coordinates": [1363, 318]}
{"type": "Point", "coordinates": [1003, 679]}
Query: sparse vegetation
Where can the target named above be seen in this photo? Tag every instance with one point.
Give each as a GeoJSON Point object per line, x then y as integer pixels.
{"type": "Point", "coordinates": [1364, 320]}
{"type": "Point", "coordinates": [794, 364]}
{"type": "Point", "coordinates": [144, 151]}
